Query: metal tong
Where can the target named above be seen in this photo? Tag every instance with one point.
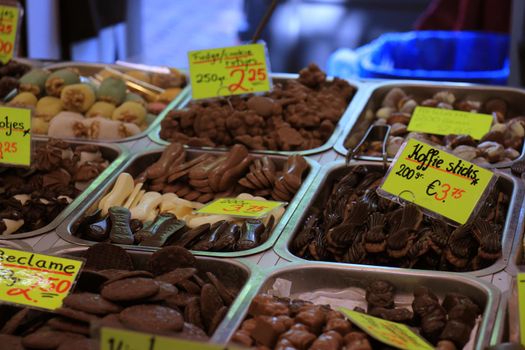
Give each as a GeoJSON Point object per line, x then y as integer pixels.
{"type": "Point", "coordinates": [374, 133]}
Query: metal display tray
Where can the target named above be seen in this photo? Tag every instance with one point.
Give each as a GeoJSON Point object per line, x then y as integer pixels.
{"type": "Point", "coordinates": [326, 178]}
{"type": "Point", "coordinates": [89, 69]}
{"type": "Point", "coordinates": [346, 118]}
{"type": "Point", "coordinates": [232, 273]}
{"type": "Point", "coordinates": [139, 163]}
{"type": "Point", "coordinates": [309, 277]}
{"type": "Point", "coordinates": [374, 94]}
{"type": "Point", "coordinates": [114, 153]}
{"type": "Point", "coordinates": [15, 244]}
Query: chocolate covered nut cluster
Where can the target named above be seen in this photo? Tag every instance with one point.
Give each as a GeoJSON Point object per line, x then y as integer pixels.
{"type": "Point", "coordinates": [157, 207]}
{"type": "Point", "coordinates": [502, 143]}
{"type": "Point", "coordinates": [284, 323]}
{"type": "Point", "coordinates": [32, 198]}
{"type": "Point", "coordinates": [169, 296]}
{"type": "Point", "coordinates": [9, 75]}
{"type": "Point", "coordinates": [296, 115]}
{"type": "Point", "coordinates": [355, 225]}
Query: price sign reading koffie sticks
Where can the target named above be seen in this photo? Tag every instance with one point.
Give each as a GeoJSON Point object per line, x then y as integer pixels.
{"type": "Point", "coordinates": [436, 180]}
{"type": "Point", "coordinates": [229, 71]}
{"type": "Point", "coordinates": [36, 280]}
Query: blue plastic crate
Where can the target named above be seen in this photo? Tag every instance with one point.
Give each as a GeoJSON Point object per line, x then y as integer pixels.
{"type": "Point", "coordinates": [430, 55]}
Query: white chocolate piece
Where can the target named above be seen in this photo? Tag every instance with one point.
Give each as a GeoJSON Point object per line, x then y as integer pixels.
{"type": "Point", "coordinates": [277, 214]}
{"type": "Point", "coordinates": [245, 196]}
{"type": "Point", "coordinates": [89, 157]}
{"type": "Point", "coordinates": [44, 201]}
{"type": "Point", "coordinates": [133, 195]}
{"type": "Point", "coordinates": [12, 226]}
{"type": "Point", "coordinates": [118, 194]}
{"type": "Point", "coordinates": [22, 198]}
{"type": "Point", "coordinates": [137, 199]}
{"type": "Point", "coordinates": [146, 208]}
{"type": "Point", "coordinates": [68, 199]}
{"type": "Point", "coordinates": [67, 153]}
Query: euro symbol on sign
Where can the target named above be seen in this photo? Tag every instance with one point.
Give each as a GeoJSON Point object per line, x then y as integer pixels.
{"type": "Point", "coordinates": [430, 187]}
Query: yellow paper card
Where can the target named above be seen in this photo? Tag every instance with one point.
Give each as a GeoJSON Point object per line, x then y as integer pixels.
{"type": "Point", "coordinates": [440, 121]}
{"type": "Point", "coordinates": [436, 180]}
{"type": "Point", "coordinates": [228, 71]}
{"type": "Point", "coordinates": [15, 136]}
{"type": "Point", "coordinates": [521, 305]}
{"type": "Point", "coordinates": [8, 30]}
{"type": "Point", "coordinates": [246, 208]}
{"type": "Point", "coordinates": [390, 333]}
{"type": "Point", "coordinates": [119, 339]}
{"type": "Point", "coordinates": [36, 280]}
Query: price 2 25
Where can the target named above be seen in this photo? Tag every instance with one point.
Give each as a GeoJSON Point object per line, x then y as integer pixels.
{"type": "Point", "coordinates": [8, 147]}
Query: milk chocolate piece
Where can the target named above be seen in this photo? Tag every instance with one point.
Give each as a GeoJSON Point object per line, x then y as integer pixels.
{"type": "Point", "coordinates": [166, 160]}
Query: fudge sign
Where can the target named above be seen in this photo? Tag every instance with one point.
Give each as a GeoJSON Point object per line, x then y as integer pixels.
{"type": "Point", "coordinates": [36, 280]}
{"type": "Point", "coordinates": [228, 71]}
{"type": "Point", "coordinates": [436, 180]}
{"type": "Point", "coordinates": [15, 136]}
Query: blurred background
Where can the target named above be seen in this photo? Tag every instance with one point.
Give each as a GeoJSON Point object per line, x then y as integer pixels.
{"type": "Point", "coordinates": [349, 38]}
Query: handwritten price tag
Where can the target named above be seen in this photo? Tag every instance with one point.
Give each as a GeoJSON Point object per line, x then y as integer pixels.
{"type": "Point", "coordinates": [228, 71]}
{"type": "Point", "coordinates": [247, 208]}
{"type": "Point", "coordinates": [36, 280]}
{"type": "Point", "coordinates": [15, 136]}
{"type": "Point", "coordinates": [388, 332]}
{"type": "Point", "coordinates": [9, 16]}
{"type": "Point", "coordinates": [436, 180]}
{"type": "Point", "coordinates": [441, 121]}
{"type": "Point", "coordinates": [117, 339]}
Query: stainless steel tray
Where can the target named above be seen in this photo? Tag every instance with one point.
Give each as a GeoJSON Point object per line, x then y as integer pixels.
{"type": "Point", "coordinates": [232, 273]}
{"type": "Point", "coordinates": [139, 162]}
{"type": "Point", "coordinates": [116, 154]}
{"type": "Point", "coordinates": [89, 69]}
{"type": "Point", "coordinates": [324, 181]}
{"type": "Point", "coordinates": [517, 256]}
{"type": "Point", "coordinates": [346, 118]}
{"type": "Point", "coordinates": [14, 244]}
{"type": "Point", "coordinates": [310, 277]}
{"type": "Point", "coordinates": [425, 89]}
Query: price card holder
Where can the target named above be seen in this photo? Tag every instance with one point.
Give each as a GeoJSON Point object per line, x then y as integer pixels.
{"type": "Point", "coordinates": [391, 333]}
{"type": "Point", "coordinates": [446, 186]}
{"type": "Point", "coordinates": [15, 136]}
{"type": "Point", "coordinates": [36, 280]}
{"type": "Point", "coordinates": [440, 121]}
{"type": "Point", "coordinates": [244, 208]}
{"type": "Point", "coordinates": [10, 19]}
{"type": "Point", "coordinates": [228, 71]}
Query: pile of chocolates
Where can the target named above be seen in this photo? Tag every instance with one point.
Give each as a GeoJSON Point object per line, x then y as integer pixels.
{"type": "Point", "coordinates": [31, 198]}
{"type": "Point", "coordinates": [355, 225]}
{"type": "Point", "coordinates": [297, 114]}
{"type": "Point", "coordinates": [502, 143]}
{"type": "Point", "coordinates": [284, 323]}
{"type": "Point", "coordinates": [168, 296]}
{"type": "Point", "coordinates": [9, 75]}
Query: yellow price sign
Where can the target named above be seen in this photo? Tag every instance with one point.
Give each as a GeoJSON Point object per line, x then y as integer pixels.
{"type": "Point", "coordinates": [391, 333]}
{"type": "Point", "coordinates": [117, 339]}
{"type": "Point", "coordinates": [228, 71]}
{"type": "Point", "coordinates": [440, 121]}
{"type": "Point", "coordinates": [15, 136]}
{"type": "Point", "coordinates": [521, 305]}
{"type": "Point", "coordinates": [36, 280]}
{"type": "Point", "coordinates": [246, 208]}
{"type": "Point", "coordinates": [436, 180]}
{"type": "Point", "coordinates": [9, 16]}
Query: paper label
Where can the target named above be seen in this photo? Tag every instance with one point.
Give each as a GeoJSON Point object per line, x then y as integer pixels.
{"type": "Point", "coordinates": [521, 305]}
{"type": "Point", "coordinates": [8, 29]}
{"type": "Point", "coordinates": [229, 71]}
{"type": "Point", "coordinates": [246, 208]}
{"type": "Point", "coordinates": [436, 180]}
{"type": "Point", "coordinates": [390, 333]}
{"type": "Point", "coordinates": [15, 136]}
{"type": "Point", "coordinates": [440, 121]}
{"type": "Point", "coordinates": [118, 339]}
{"type": "Point", "coordinates": [36, 280]}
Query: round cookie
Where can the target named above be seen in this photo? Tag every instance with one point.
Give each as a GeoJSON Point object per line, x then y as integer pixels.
{"type": "Point", "coordinates": [76, 314]}
{"type": "Point", "coordinates": [11, 342]}
{"type": "Point", "coordinates": [103, 256]}
{"type": "Point", "coordinates": [48, 339]}
{"type": "Point", "coordinates": [80, 344]}
{"type": "Point", "coordinates": [170, 258]}
{"type": "Point", "coordinates": [129, 274]}
{"type": "Point", "coordinates": [151, 318]}
{"type": "Point", "coordinates": [130, 289]}
{"type": "Point", "coordinates": [177, 275]}
{"type": "Point", "coordinates": [91, 303]}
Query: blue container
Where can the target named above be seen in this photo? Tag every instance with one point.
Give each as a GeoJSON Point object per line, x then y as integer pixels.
{"type": "Point", "coordinates": [430, 55]}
